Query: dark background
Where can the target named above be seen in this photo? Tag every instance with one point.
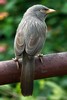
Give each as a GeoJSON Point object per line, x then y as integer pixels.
{"type": "Point", "coordinates": [11, 12]}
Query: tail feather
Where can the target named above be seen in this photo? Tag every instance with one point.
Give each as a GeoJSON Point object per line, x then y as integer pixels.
{"type": "Point", "coordinates": [27, 75]}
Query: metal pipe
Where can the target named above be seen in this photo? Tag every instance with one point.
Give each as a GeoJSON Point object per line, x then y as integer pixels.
{"type": "Point", "coordinates": [53, 65]}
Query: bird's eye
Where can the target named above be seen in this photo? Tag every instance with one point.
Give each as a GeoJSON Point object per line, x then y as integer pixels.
{"type": "Point", "coordinates": [42, 10]}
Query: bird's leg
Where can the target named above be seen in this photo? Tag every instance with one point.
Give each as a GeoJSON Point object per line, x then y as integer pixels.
{"type": "Point", "coordinates": [40, 56]}
{"type": "Point", "coordinates": [17, 62]}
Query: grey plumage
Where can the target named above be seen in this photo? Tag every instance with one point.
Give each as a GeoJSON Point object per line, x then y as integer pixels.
{"type": "Point", "coordinates": [29, 39]}
{"type": "Point", "coordinates": [30, 29]}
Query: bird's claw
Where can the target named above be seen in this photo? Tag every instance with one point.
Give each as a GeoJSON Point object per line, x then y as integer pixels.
{"type": "Point", "coordinates": [40, 56]}
{"type": "Point", "coordinates": [17, 62]}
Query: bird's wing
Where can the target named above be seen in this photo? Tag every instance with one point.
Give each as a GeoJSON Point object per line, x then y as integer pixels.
{"type": "Point", "coordinates": [19, 40]}
{"type": "Point", "coordinates": [19, 44]}
{"type": "Point", "coordinates": [35, 38]}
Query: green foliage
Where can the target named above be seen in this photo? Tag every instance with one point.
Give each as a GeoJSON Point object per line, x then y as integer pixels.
{"type": "Point", "coordinates": [51, 88]}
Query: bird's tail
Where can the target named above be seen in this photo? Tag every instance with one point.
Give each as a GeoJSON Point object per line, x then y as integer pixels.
{"type": "Point", "coordinates": [27, 75]}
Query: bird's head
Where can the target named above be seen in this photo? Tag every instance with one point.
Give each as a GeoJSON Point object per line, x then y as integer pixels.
{"type": "Point", "coordinates": [39, 11]}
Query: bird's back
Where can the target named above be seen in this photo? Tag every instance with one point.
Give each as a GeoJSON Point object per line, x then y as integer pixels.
{"type": "Point", "coordinates": [31, 35]}
{"type": "Point", "coordinates": [34, 35]}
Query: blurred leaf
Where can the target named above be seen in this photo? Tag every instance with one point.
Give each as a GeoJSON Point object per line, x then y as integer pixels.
{"type": "Point", "coordinates": [42, 83]}
{"type": "Point", "coordinates": [58, 92]}
{"type": "Point", "coordinates": [10, 5]}
{"type": "Point", "coordinates": [8, 30]}
{"type": "Point", "coordinates": [64, 8]}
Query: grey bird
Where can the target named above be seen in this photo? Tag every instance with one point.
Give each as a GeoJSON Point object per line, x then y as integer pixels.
{"type": "Point", "coordinates": [29, 40]}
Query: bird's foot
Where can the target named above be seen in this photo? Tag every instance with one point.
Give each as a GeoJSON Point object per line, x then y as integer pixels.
{"type": "Point", "coordinates": [17, 62]}
{"type": "Point", "coordinates": [40, 56]}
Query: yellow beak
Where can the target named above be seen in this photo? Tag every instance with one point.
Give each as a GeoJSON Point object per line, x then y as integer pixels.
{"type": "Point", "coordinates": [50, 11]}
